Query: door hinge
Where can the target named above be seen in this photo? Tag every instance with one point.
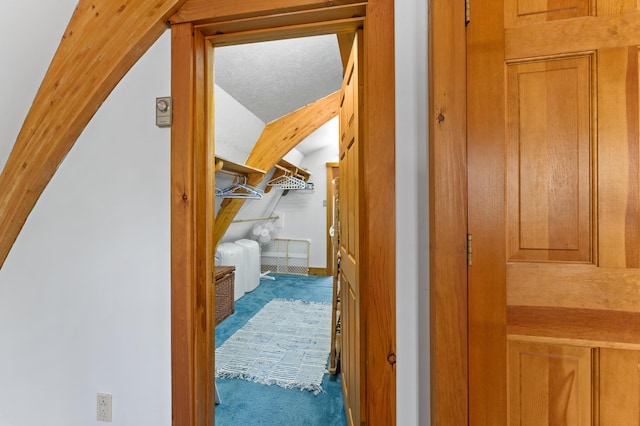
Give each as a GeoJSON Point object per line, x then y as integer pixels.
{"type": "Point", "coordinates": [469, 250]}
{"type": "Point", "coordinates": [467, 12]}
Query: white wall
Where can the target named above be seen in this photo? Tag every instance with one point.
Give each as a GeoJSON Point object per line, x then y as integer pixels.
{"type": "Point", "coordinates": [236, 131]}
{"type": "Point", "coordinates": [294, 156]}
{"type": "Point", "coordinates": [305, 212]}
{"type": "Point", "coordinates": [84, 293]}
{"type": "Point", "coordinates": [236, 128]}
{"type": "Point", "coordinates": [412, 217]}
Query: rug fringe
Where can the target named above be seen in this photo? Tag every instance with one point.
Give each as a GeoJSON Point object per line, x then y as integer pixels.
{"type": "Point", "coordinates": [316, 389]}
{"type": "Point", "coordinates": [303, 302]}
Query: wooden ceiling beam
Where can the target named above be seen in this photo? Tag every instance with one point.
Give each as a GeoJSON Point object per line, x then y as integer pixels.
{"type": "Point", "coordinates": [101, 43]}
{"type": "Point", "coordinates": [277, 139]}
{"type": "Point", "coordinates": [283, 134]}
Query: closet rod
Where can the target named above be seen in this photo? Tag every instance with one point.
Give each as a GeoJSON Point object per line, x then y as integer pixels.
{"type": "Point", "coordinates": [293, 172]}
{"type": "Point", "coordinates": [256, 219]}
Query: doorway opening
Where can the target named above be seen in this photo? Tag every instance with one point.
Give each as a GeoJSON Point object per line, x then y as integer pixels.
{"type": "Point", "coordinates": [264, 85]}
{"type": "Point", "coordinates": [194, 33]}
{"type": "Point", "coordinates": [258, 87]}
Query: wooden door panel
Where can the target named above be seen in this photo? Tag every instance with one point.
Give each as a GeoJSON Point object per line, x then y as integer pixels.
{"type": "Point", "coordinates": [618, 157]}
{"type": "Point", "coordinates": [619, 387]}
{"type": "Point", "coordinates": [549, 160]}
{"type": "Point", "coordinates": [585, 34]}
{"type": "Point", "coordinates": [521, 12]}
{"type": "Point", "coordinates": [351, 356]}
{"type": "Point", "coordinates": [352, 214]}
{"type": "Point", "coordinates": [578, 302]}
{"type": "Point", "coordinates": [549, 384]}
{"type": "Point", "coordinates": [566, 74]}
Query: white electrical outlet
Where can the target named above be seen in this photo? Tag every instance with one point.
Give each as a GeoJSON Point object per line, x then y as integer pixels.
{"type": "Point", "coordinates": [104, 407]}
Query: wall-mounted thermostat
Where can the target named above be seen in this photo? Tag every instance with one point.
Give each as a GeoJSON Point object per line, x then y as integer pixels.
{"type": "Point", "coordinates": [164, 111]}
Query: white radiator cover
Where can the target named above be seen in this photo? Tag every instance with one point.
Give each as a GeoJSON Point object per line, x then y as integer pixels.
{"type": "Point", "coordinates": [286, 256]}
{"type": "Point", "coordinates": [251, 253]}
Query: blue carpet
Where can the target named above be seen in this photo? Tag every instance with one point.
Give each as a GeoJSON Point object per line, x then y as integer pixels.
{"type": "Point", "coordinates": [248, 403]}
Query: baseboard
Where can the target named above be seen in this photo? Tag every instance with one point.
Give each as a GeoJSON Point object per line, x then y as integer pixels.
{"type": "Point", "coordinates": [318, 271]}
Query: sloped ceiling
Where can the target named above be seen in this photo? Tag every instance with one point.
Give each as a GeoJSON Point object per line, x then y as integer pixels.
{"type": "Point", "coordinates": [271, 79]}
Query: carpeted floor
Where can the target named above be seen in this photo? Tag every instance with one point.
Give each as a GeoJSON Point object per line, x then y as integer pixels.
{"type": "Point", "coordinates": [246, 403]}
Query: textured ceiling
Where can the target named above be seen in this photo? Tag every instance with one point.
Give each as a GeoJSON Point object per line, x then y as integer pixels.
{"type": "Point", "coordinates": [271, 79]}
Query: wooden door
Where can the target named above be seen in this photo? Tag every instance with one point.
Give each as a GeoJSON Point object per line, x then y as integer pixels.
{"type": "Point", "coordinates": [554, 195]}
{"type": "Point", "coordinates": [351, 300]}
{"type": "Point", "coordinates": [332, 219]}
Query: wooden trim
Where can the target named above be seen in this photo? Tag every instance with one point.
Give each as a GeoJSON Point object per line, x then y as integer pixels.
{"type": "Point", "coordinates": [486, 142]}
{"type": "Point", "coordinates": [77, 82]}
{"type": "Point", "coordinates": [313, 28]}
{"type": "Point", "coordinates": [534, 40]}
{"type": "Point", "coordinates": [182, 340]}
{"type": "Point", "coordinates": [329, 208]}
{"type": "Point", "coordinates": [572, 342]}
{"type": "Point", "coordinates": [200, 11]}
{"type": "Point", "coordinates": [192, 295]}
{"type": "Point", "coordinates": [258, 26]}
{"type": "Point", "coordinates": [448, 205]}
{"type": "Point", "coordinates": [377, 209]}
{"type": "Point", "coordinates": [590, 325]}
{"type": "Point", "coordinates": [205, 183]}
{"type": "Point", "coordinates": [573, 286]}
{"type": "Point", "coordinates": [321, 272]}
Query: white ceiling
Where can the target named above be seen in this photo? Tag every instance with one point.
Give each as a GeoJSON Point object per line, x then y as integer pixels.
{"type": "Point", "coordinates": [271, 79]}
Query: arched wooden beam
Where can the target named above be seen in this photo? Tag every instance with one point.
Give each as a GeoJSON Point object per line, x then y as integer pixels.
{"type": "Point", "coordinates": [277, 139]}
{"type": "Point", "coordinates": [101, 43]}
{"type": "Point", "coordinates": [282, 135]}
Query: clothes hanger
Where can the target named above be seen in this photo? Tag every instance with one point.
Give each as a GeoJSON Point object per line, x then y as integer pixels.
{"type": "Point", "coordinates": [287, 180]}
{"type": "Point", "coordinates": [239, 189]}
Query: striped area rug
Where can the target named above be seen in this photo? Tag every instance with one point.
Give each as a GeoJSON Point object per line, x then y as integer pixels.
{"type": "Point", "coordinates": [286, 344]}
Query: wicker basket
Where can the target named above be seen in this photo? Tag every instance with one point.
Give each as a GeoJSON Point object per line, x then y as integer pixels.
{"type": "Point", "coordinates": [224, 276]}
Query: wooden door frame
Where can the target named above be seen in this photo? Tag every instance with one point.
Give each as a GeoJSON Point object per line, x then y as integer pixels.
{"type": "Point", "coordinates": [192, 227]}
{"type": "Point", "coordinates": [329, 189]}
{"type": "Point", "coordinates": [448, 213]}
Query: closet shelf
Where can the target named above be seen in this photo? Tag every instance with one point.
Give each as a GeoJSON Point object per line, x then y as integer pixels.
{"type": "Point", "coordinates": [285, 168]}
{"type": "Point", "coordinates": [295, 170]}
{"type": "Point", "coordinates": [232, 167]}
